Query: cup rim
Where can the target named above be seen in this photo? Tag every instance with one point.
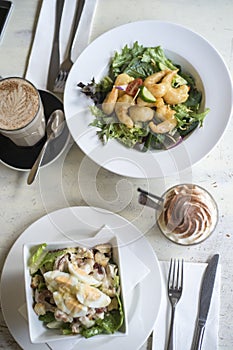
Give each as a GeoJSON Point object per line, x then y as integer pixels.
{"type": "Point", "coordinates": [9, 131]}
{"type": "Point", "coordinates": [158, 213]}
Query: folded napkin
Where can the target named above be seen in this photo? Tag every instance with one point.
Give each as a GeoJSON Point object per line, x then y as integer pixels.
{"type": "Point", "coordinates": [132, 274]}
{"type": "Point", "coordinates": [37, 70]}
{"type": "Point", "coordinates": [186, 310]}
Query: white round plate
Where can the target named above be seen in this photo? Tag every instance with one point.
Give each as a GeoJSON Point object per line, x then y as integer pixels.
{"type": "Point", "coordinates": [76, 223]}
{"type": "Point", "coordinates": [183, 46]}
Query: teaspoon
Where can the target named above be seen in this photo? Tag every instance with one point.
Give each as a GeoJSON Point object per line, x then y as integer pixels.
{"type": "Point", "coordinates": [54, 128]}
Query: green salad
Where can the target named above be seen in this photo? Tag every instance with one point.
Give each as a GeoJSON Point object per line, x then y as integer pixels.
{"type": "Point", "coordinates": [146, 101]}
{"type": "Point", "coordinates": [76, 290]}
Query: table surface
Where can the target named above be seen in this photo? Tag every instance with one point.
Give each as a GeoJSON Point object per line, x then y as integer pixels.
{"type": "Point", "coordinates": [66, 183]}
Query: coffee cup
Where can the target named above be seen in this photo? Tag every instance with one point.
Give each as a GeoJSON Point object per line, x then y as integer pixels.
{"type": "Point", "coordinates": [22, 117]}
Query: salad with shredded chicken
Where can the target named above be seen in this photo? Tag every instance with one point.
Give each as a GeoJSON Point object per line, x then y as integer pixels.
{"type": "Point", "coordinates": [77, 290]}
{"type": "Point", "coordinates": [146, 101]}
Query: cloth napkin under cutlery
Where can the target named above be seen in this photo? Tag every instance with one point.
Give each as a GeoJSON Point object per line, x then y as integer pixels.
{"type": "Point", "coordinates": [38, 65]}
{"type": "Point", "coordinates": [186, 311]}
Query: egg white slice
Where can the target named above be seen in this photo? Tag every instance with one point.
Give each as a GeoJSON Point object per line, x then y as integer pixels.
{"type": "Point", "coordinates": [91, 296]}
{"type": "Point", "coordinates": [69, 304]}
{"type": "Point", "coordinates": [83, 276]}
{"type": "Point", "coordinates": [56, 280]}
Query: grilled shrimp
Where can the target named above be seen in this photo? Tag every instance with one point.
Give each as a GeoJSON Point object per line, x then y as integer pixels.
{"type": "Point", "coordinates": [121, 109]}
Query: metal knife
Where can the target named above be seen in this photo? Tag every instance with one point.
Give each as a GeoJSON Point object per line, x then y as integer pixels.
{"type": "Point", "coordinates": [205, 299]}
{"type": "Point", "coordinates": [55, 56]}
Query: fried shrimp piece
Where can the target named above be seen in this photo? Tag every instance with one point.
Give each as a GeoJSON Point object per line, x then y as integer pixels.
{"type": "Point", "coordinates": [110, 101]}
{"type": "Point", "coordinates": [156, 84]}
{"type": "Point", "coordinates": [174, 96]}
{"type": "Point", "coordinates": [163, 127]}
{"type": "Point", "coordinates": [141, 113]}
{"type": "Point", "coordinates": [168, 120]}
{"type": "Point", "coordinates": [141, 102]}
{"type": "Point", "coordinates": [122, 79]}
{"type": "Point", "coordinates": [121, 108]}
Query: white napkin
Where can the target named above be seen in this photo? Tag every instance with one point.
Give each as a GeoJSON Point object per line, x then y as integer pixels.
{"type": "Point", "coordinates": [186, 310]}
{"type": "Point", "coordinates": [37, 70]}
{"type": "Point", "coordinates": [132, 274]}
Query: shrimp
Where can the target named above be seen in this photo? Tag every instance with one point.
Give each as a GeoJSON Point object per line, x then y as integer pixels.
{"type": "Point", "coordinates": [141, 114]}
{"type": "Point", "coordinates": [141, 102]}
{"type": "Point", "coordinates": [110, 101]}
{"type": "Point", "coordinates": [168, 120]}
{"type": "Point", "coordinates": [121, 109]}
{"type": "Point", "coordinates": [122, 79]}
{"type": "Point", "coordinates": [174, 96]}
{"type": "Point", "coordinates": [152, 83]}
{"type": "Point", "coordinates": [163, 127]}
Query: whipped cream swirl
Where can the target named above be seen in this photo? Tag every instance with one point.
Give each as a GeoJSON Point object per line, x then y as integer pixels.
{"type": "Point", "coordinates": [189, 214]}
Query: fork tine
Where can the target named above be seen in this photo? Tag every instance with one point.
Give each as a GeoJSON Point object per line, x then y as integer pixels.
{"type": "Point", "coordinates": [175, 286]}
{"type": "Point", "coordinates": [169, 273]}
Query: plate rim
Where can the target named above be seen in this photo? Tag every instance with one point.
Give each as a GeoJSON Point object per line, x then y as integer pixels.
{"type": "Point", "coordinates": [86, 210]}
{"type": "Point", "coordinates": [193, 158]}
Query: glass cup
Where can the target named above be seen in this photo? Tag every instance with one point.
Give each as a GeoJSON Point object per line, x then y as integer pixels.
{"type": "Point", "coordinates": [188, 214]}
{"type": "Point", "coordinates": [21, 112]}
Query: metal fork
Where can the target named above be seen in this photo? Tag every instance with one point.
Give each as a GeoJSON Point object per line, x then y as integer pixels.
{"type": "Point", "coordinates": [175, 287]}
{"type": "Point", "coordinates": [67, 63]}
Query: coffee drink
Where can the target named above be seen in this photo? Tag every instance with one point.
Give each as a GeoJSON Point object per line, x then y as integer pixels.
{"type": "Point", "coordinates": [21, 112]}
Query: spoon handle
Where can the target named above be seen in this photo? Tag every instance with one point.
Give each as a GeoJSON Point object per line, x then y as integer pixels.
{"type": "Point", "coordinates": [35, 168]}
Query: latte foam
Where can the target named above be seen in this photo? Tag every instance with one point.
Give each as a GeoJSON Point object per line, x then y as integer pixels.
{"type": "Point", "coordinates": [19, 103]}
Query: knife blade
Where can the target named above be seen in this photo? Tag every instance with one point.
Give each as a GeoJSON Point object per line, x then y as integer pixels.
{"type": "Point", "coordinates": [205, 300]}
{"type": "Point", "coordinates": [55, 56]}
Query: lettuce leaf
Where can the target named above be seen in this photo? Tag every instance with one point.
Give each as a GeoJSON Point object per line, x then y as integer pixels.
{"type": "Point", "coordinates": [110, 324]}
{"type": "Point", "coordinates": [110, 128]}
{"type": "Point", "coordinates": [42, 257]}
{"type": "Point", "coordinates": [37, 258]}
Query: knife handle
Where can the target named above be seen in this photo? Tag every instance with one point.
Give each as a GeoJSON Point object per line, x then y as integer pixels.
{"type": "Point", "coordinates": [198, 336]}
{"type": "Point", "coordinates": [59, 9]}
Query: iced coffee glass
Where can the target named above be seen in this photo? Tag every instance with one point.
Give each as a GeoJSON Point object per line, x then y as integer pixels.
{"type": "Point", "coordinates": [188, 215]}
{"type": "Point", "coordinates": [21, 112]}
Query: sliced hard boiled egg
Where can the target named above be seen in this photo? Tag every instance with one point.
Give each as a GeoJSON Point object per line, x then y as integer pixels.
{"type": "Point", "coordinates": [91, 296]}
{"type": "Point", "coordinates": [69, 304]}
{"type": "Point", "coordinates": [82, 275]}
{"type": "Point", "coordinates": [56, 280]}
